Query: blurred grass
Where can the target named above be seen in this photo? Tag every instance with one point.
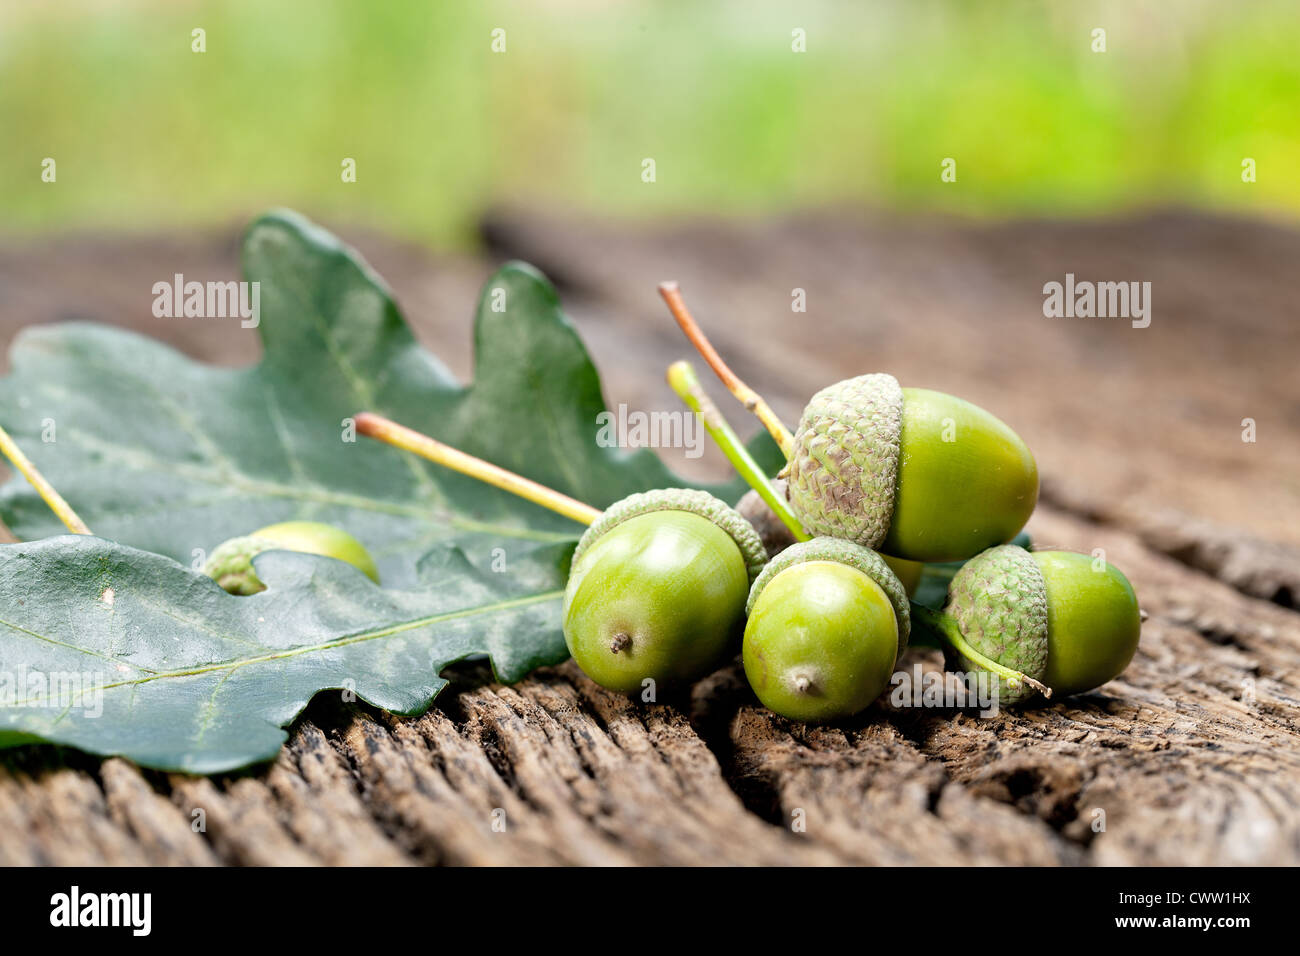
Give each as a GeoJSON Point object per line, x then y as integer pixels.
{"type": "Point", "coordinates": [147, 134]}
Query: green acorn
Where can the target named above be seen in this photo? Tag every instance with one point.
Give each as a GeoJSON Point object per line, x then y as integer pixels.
{"type": "Point", "coordinates": [1055, 616]}
{"type": "Point", "coordinates": [658, 581]}
{"type": "Point", "coordinates": [657, 589]}
{"type": "Point", "coordinates": [914, 473]}
{"type": "Point", "coordinates": [828, 621]}
{"type": "Point", "coordinates": [231, 563]}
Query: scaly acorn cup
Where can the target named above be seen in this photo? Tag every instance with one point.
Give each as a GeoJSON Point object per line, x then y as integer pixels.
{"type": "Point", "coordinates": [765, 506]}
{"type": "Point", "coordinates": [657, 589]}
{"type": "Point", "coordinates": [231, 562]}
{"type": "Point", "coordinates": [776, 536]}
{"type": "Point", "coordinates": [658, 581]}
{"type": "Point", "coordinates": [813, 605]}
{"type": "Point", "coordinates": [828, 621]}
{"type": "Point", "coordinates": [914, 473]}
{"type": "Point", "coordinates": [1052, 615]}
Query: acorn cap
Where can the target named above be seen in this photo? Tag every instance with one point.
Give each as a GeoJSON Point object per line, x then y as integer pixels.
{"type": "Point", "coordinates": [681, 499]}
{"type": "Point", "coordinates": [843, 470]}
{"type": "Point", "coordinates": [231, 564]}
{"type": "Point", "coordinates": [842, 552]}
{"type": "Point", "coordinates": [999, 601]}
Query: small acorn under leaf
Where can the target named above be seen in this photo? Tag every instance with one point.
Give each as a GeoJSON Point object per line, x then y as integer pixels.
{"type": "Point", "coordinates": [828, 620]}
{"type": "Point", "coordinates": [1065, 619]}
{"type": "Point", "coordinates": [231, 563]}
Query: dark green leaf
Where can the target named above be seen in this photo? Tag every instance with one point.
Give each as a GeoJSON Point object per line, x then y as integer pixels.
{"type": "Point", "coordinates": [119, 651]}
{"type": "Point", "coordinates": [173, 456]}
{"type": "Point", "coordinates": [164, 454]}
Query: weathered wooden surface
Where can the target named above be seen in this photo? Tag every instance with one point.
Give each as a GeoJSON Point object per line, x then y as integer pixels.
{"type": "Point", "coordinates": [1192, 757]}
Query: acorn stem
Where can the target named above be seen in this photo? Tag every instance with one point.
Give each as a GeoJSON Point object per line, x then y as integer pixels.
{"type": "Point", "coordinates": [943, 626]}
{"type": "Point", "coordinates": [744, 394]}
{"type": "Point", "coordinates": [43, 488]}
{"type": "Point", "coordinates": [386, 430]}
{"type": "Point", "coordinates": [687, 386]}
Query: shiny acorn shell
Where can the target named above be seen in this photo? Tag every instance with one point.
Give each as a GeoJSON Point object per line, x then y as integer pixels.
{"type": "Point", "coordinates": [657, 589]}
{"type": "Point", "coordinates": [231, 562]}
{"type": "Point", "coordinates": [827, 622]}
{"type": "Point", "coordinates": [914, 473]}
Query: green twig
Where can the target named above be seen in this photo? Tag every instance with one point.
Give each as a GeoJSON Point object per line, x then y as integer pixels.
{"type": "Point", "coordinates": [684, 382]}
{"type": "Point", "coordinates": [743, 393]}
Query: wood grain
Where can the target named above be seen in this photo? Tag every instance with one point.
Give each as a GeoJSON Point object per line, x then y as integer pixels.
{"type": "Point", "coordinates": [1193, 756]}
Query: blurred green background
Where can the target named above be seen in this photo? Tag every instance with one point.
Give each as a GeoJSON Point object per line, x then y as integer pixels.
{"type": "Point", "coordinates": [147, 134]}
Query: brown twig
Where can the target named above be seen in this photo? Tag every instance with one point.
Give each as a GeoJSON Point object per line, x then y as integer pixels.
{"type": "Point", "coordinates": [672, 295]}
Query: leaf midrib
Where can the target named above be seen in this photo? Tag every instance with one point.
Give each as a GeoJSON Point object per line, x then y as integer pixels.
{"type": "Point", "coordinates": [290, 652]}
